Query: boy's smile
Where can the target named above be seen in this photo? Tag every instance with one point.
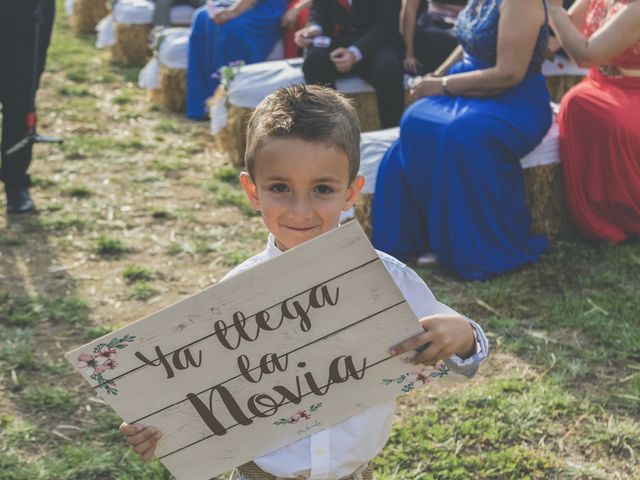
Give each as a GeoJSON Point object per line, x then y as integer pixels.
{"type": "Point", "coordinates": [300, 188]}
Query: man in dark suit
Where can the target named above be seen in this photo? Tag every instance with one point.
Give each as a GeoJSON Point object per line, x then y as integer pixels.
{"type": "Point", "coordinates": [365, 40]}
{"type": "Point", "coordinates": [17, 80]}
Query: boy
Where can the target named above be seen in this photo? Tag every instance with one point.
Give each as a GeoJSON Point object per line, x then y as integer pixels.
{"type": "Point", "coordinates": [302, 163]}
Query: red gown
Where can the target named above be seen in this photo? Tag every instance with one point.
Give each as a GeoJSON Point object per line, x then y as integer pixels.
{"type": "Point", "coordinates": [291, 50]}
{"type": "Point", "coordinates": [600, 142]}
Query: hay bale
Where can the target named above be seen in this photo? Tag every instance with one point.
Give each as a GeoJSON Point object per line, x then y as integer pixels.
{"type": "Point", "coordinates": [544, 196]}
{"type": "Point", "coordinates": [232, 138]}
{"type": "Point", "coordinates": [87, 14]}
{"type": "Point", "coordinates": [363, 212]}
{"type": "Point", "coordinates": [558, 85]}
{"type": "Point", "coordinates": [171, 93]}
{"type": "Point", "coordinates": [366, 105]}
{"type": "Point", "coordinates": [131, 44]}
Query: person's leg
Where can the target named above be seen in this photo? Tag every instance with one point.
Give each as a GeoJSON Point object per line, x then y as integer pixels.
{"type": "Point", "coordinates": [384, 70]}
{"type": "Point", "coordinates": [318, 68]}
{"type": "Point", "coordinates": [16, 56]}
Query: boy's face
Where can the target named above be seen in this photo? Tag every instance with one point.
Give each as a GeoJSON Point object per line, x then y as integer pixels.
{"type": "Point", "coordinates": [300, 188]}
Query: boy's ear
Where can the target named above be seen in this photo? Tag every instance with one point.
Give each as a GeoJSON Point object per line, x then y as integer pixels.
{"type": "Point", "coordinates": [250, 190]}
{"type": "Point", "coordinates": [353, 191]}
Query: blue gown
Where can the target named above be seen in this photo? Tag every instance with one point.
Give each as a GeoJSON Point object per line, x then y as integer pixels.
{"type": "Point", "coordinates": [249, 37]}
{"type": "Point", "coordinates": [452, 184]}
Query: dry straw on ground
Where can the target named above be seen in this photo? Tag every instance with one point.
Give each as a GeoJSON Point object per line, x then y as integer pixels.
{"type": "Point", "coordinates": [171, 93]}
{"type": "Point", "coordinates": [87, 14]}
{"type": "Point", "coordinates": [558, 85]}
{"type": "Point", "coordinates": [131, 44]}
{"type": "Point", "coordinates": [544, 195]}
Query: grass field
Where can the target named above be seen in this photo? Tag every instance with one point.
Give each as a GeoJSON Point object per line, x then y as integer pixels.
{"type": "Point", "coordinates": [138, 210]}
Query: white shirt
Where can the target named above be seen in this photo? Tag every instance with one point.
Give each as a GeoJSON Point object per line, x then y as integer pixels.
{"type": "Point", "coordinates": [338, 451]}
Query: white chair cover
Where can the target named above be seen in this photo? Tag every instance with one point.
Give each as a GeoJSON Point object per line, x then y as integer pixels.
{"type": "Point", "coordinates": [133, 12]}
{"type": "Point", "coordinates": [106, 36]}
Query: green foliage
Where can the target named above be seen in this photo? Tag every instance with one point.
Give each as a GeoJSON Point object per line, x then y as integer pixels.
{"type": "Point", "coordinates": [64, 222]}
{"type": "Point", "coordinates": [134, 273]}
{"type": "Point", "coordinates": [16, 349]}
{"type": "Point", "coordinates": [227, 174]}
{"type": "Point", "coordinates": [491, 430]}
{"type": "Point", "coordinates": [95, 331]}
{"type": "Point", "coordinates": [31, 310]}
{"type": "Point", "coordinates": [226, 194]}
{"type": "Point", "coordinates": [53, 400]}
{"type": "Point", "coordinates": [6, 241]}
{"type": "Point", "coordinates": [143, 291]}
{"type": "Point", "coordinates": [86, 462]}
{"type": "Point", "coordinates": [235, 258]}
{"type": "Point", "coordinates": [18, 433]}
{"type": "Point", "coordinates": [78, 191]}
{"type": "Point", "coordinates": [167, 166]}
{"type": "Point", "coordinates": [13, 468]}
{"type": "Point", "coordinates": [111, 247]}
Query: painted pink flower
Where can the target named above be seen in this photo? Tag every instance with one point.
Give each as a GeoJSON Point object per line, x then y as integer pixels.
{"type": "Point", "coordinates": [303, 414]}
{"type": "Point", "coordinates": [107, 353]}
{"type": "Point", "coordinates": [419, 376]}
{"type": "Point", "coordinates": [86, 361]}
{"type": "Point", "coordinates": [110, 364]}
{"type": "Point", "coordinates": [294, 418]}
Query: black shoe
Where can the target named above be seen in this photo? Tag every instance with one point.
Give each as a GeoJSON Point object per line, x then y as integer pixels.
{"type": "Point", "coordinates": [18, 200]}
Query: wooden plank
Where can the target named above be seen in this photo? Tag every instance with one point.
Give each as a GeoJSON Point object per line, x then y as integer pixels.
{"type": "Point", "coordinates": [294, 345]}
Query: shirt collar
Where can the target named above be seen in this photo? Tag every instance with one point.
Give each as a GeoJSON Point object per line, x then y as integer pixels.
{"type": "Point", "coordinates": [272, 249]}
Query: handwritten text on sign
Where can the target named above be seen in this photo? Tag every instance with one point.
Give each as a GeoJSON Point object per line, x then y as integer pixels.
{"type": "Point", "coordinates": [294, 345]}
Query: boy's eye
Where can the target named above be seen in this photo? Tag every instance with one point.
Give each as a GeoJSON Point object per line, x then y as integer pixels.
{"type": "Point", "coordinates": [324, 189]}
{"type": "Point", "coordinates": [278, 188]}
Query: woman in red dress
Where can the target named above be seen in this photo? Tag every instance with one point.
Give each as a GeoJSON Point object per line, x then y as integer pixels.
{"type": "Point", "coordinates": [600, 117]}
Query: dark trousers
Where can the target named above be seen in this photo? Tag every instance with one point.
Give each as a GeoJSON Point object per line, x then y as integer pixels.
{"type": "Point", "coordinates": [383, 69]}
{"type": "Point", "coordinates": [17, 30]}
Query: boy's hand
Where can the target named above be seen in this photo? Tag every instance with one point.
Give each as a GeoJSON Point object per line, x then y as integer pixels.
{"type": "Point", "coordinates": [142, 439]}
{"type": "Point", "coordinates": [444, 336]}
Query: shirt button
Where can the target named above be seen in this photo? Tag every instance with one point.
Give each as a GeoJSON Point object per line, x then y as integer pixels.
{"type": "Point", "coordinates": [319, 451]}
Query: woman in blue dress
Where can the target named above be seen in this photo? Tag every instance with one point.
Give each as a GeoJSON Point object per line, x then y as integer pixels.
{"type": "Point", "coordinates": [242, 30]}
{"type": "Point", "coordinates": [452, 184]}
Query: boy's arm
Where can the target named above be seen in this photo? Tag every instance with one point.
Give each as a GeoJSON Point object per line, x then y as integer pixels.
{"type": "Point", "coordinates": [447, 333]}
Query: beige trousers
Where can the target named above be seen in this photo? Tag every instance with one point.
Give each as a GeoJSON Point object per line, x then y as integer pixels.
{"type": "Point", "coordinates": [250, 471]}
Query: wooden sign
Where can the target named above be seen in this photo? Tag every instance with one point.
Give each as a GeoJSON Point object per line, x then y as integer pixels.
{"type": "Point", "coordinates": [258, 361]}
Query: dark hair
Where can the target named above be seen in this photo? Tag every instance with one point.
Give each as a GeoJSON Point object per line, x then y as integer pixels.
{"type": "Point", "coordinates": [308, 112]}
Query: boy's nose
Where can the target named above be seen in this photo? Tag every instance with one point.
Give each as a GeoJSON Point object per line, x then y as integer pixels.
{"type": "Point", "coordinates": [301, 207]}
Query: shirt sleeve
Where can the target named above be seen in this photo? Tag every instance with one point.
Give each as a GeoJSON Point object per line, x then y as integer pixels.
{"type": "Point", "coordinates": [423, 303]}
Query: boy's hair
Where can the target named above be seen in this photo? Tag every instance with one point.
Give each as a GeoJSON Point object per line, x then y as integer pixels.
{"type": "Point", "coordinates": [308, 112]}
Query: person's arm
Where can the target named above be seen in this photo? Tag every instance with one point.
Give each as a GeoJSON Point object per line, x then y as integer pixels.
{"type": "Point", "coordinates": [518, 29]}
{"type": "Point", "coordinates": [223, 15]}
{"type": "Point", "coordinates": [408, 16]}
{"type": "Point", "coordinates": [454, 57]}
{"type": "Point", "coordinates": [290, 18]}
{"type": "Point", "coordinates": [614, 37]}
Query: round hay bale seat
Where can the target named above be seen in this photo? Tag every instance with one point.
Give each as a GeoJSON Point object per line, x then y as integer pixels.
{"type": "Point", "coordinates": [87, 14]}
{"type": "Point", "coordinates": [544, 191]}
